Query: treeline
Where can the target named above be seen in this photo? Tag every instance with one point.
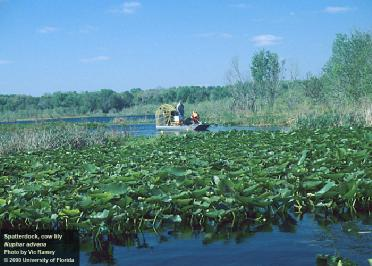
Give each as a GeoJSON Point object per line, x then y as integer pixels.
{"type": "Point", "coordinates": [346, 78]}
{"type": "Point", "coordinates": [106, 100]}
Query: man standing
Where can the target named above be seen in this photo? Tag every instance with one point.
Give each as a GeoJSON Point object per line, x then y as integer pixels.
{"type": "Point", "coordinates": [181, 110]}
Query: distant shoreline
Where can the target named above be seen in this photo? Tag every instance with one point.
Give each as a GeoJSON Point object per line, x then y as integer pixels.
{"type": "Point", "coordinates": [35, 120]}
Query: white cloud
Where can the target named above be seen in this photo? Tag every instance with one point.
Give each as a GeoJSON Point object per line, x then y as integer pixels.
{"type": "Point", "coordinates": [337, 9]}
{"type": "Point", "coordinates": [47, 29]}
{"type": "Point", "coordinates": [239, 5]}
{"type": "Point", "coordinates": [5, 62]}
{"type": "Point", "coordinates": [266, 40]}
{"type": "Point", "coordinates": [127, 8]}
{"type": "Point", "coordinates": [223, 35]}
{"type": "Point", "coordinates": [131, 7]}
{"type": "Point", "coordinates": [95, 59]}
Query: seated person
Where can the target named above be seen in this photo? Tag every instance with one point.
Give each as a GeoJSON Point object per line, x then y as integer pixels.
{"type": "Point", "coordinates": [195, 117]}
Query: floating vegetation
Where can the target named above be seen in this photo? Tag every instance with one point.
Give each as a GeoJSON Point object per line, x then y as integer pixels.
{"type": "Point", "coordinates": [328, 260]}
{"type": "Point", "coordinates": [223, 179]}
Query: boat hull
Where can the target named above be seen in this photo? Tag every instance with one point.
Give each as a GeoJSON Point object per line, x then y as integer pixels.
{"type": "Point", "coordinates": [201, 127]}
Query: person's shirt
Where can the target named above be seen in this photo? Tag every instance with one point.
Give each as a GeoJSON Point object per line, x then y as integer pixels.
{"type": "Point", "coordinates": [195, 117]}
{"type": "Point", "coordinates": [180, 109]}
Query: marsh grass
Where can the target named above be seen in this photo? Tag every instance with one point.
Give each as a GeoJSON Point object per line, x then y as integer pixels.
{"type": "Point", "coordinates": [46, 136]}
{"type": "Point", "coordinates": [345, 115]}
{"type": "Point", "coordinates": [302, 115]}
{"type": "Point", "coordinates": [221, 112]}
{"type": "Point", "coordinates": [290, 110]}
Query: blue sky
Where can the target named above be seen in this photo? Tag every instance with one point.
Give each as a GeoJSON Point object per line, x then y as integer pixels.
{"type": "Point", "coordinates": [65, 45]}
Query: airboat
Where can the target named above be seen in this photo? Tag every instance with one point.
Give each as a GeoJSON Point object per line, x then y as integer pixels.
{"type": "Point", "coordinates": [167, 118]}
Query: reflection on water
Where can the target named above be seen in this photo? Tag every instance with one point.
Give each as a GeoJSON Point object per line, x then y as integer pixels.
{"type": "Point", "coordinates": [287, 241]}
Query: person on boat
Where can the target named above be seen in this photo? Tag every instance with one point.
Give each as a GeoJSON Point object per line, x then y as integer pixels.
{"type": "Point", "coordinates": [181, 111]}
{"type": "Point", "coordinates": [195, 117]}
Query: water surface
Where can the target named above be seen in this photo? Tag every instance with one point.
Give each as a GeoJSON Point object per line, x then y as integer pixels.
{"type": "Point", "coordinates": [292, 242]}
{"type": "Point", "coordinates": [141, 129]}
{"type": "Point", "coordinates": [150, 129]}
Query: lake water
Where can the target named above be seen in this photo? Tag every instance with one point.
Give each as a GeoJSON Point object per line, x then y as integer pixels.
{"type": "Point", "coordinates": [143, 129]}
{"type": "Point", "coordinates": [150, 129]}
{"type": "Point", "coordinates": [294, 242]}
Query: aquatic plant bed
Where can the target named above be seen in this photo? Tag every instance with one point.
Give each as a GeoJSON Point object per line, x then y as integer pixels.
{"type": "Point", "coordinates": [225, 178]}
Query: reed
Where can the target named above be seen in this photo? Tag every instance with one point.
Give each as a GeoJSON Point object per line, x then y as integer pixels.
{"type": "Point", "coordinates": [346, 115]}
{"type": "Point", "coordinates": [38, 137]}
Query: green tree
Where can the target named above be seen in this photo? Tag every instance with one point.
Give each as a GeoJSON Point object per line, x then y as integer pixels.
{"type": "Point", "coordinates": [265, 70]}
{"type": "Point", "coordinates": [349, 70]}
{"type": "Point", "coordinates": [106, 100]}
{"type": "Point", "coordinates": [314, 88]}
{"type": "Point", "coordinates": [244, 93]}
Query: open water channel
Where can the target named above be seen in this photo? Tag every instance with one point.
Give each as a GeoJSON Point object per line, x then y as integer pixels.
{"type": "Point", "coordinates": [295, 241]}
{"type": "Point", "coordinates": [131, 127]}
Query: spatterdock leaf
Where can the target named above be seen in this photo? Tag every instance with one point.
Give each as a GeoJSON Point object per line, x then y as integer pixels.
{"type": "Point", "coordinates": [69, 212]}
{"type": "Point", "coordinates": [101, 215]}
{"type": "Point", "coordinates": [114, 188]}
{"type": "Point", "coordinates": [2, 202]}
{"type": "Point", "coordinates": [303, 157]}
{"type": "Point", "coordinates": [311, 184]}
{"type": "Point", "coordinates": [326, 188]}
{"type": "Point", "coordinates": [173, 171]}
